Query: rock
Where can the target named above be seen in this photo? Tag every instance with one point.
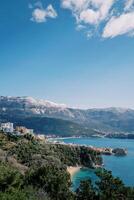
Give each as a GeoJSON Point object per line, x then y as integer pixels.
{"type": "Point", "coordinates": [119, 152]}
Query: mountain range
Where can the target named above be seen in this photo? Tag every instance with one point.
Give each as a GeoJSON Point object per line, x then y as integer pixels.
{"type": "Point", "coordinates": [52, 118]}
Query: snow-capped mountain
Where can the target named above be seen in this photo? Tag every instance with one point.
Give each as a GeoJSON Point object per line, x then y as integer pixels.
{"type": "Point", "coordinates": [34, 106]}
{"type": "Point", "coordinates": [31, 101]}
{"type": "Point", "coordinates": [108, 119]}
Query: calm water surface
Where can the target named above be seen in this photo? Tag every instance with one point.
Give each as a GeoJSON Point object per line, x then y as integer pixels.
{"type": "Point", "coordinates": [122, 167]}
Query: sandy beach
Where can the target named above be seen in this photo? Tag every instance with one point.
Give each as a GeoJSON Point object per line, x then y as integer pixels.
{"type": "Point", "coordinates": [73, 170]}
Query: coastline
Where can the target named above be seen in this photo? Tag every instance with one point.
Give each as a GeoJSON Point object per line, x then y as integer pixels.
{"type": "Point", "coordinates": [64, 138]}
{"type": "Point", "coordinates": [73, 170]}
{"type": "Point", "coordinates": [94, 136]}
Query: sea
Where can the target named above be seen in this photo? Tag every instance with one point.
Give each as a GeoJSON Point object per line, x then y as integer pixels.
{"type": "Point", "coordinates": [122, 167]}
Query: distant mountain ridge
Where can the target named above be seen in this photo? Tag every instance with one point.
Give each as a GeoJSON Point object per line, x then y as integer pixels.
{"type": "Point", "coordinates": [109, 120]}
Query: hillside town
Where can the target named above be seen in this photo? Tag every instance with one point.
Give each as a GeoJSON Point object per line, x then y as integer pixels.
{"type": "Point", "coordinates": [9, 128]}
{"type": "Point", "coordinates": [18, 130]}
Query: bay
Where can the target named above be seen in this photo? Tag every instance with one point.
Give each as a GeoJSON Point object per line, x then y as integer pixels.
{"type": "Point", "coordinates": [122, 167]}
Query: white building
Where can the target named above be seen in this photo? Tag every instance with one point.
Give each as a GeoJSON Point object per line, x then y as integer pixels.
{"type": "Point", "coordinates": [31, 131]}
{"type": "Point", "coordinates": [7, 127]}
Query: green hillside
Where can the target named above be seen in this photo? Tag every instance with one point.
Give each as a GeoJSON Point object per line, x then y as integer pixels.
{"type": "Point", "coordinates": [32, 170]}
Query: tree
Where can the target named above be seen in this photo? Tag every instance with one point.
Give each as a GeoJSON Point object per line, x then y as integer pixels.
{"type": "Point", "coordinates": [9, 177]}
{"type": "Point", "coordinates": [112, 188]}
{"type": "Point", "coordinates": [24, 151]}
{"type": "Point", "coordinates": [86, 191]}
{"type": "Point", "coordinates": [18, 194]}
{"type": "Point", "coordinates": [55, 181]}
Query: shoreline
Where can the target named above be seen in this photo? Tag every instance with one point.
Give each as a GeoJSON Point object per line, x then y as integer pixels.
{"type": "Point", "coordinates": [64, 138]}
{"type": "Point", "coordinates": [73, 170]}
{"type": "Point", "coordinates": [77, 137]}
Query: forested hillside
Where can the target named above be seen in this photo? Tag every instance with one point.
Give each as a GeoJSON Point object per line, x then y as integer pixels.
{"type": "Point", "coordinates": [35, 170]}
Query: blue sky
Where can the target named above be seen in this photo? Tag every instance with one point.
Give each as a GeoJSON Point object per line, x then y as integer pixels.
{"type": "Point", "coordinates": [67, 52]}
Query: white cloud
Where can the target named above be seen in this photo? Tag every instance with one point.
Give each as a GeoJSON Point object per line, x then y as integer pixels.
{"type": "Point", "coordinates": [89, 11]}
{"type": "Point", "coordinates": [74, 5]}
{"type": "Point", "coordinates": [94, 17]}
{"type": "Point", "coordinates": [41, 14]}
{"type": "Point", "coordinates": [89, 16]}
{"type": "Point", "coordinates": [80, 27]}
{"type": "Point", "coordinates": [124, 24]}
{"type": "Point", "coordinates": [129, 4]}
{"type": "Point", "coordinates": [51, 12]}
{"type": "Point", "coordinates": [93, 13]}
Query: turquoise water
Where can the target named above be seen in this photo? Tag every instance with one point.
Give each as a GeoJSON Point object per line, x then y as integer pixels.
{"type": "Point", "coordinates": [122, 167]}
